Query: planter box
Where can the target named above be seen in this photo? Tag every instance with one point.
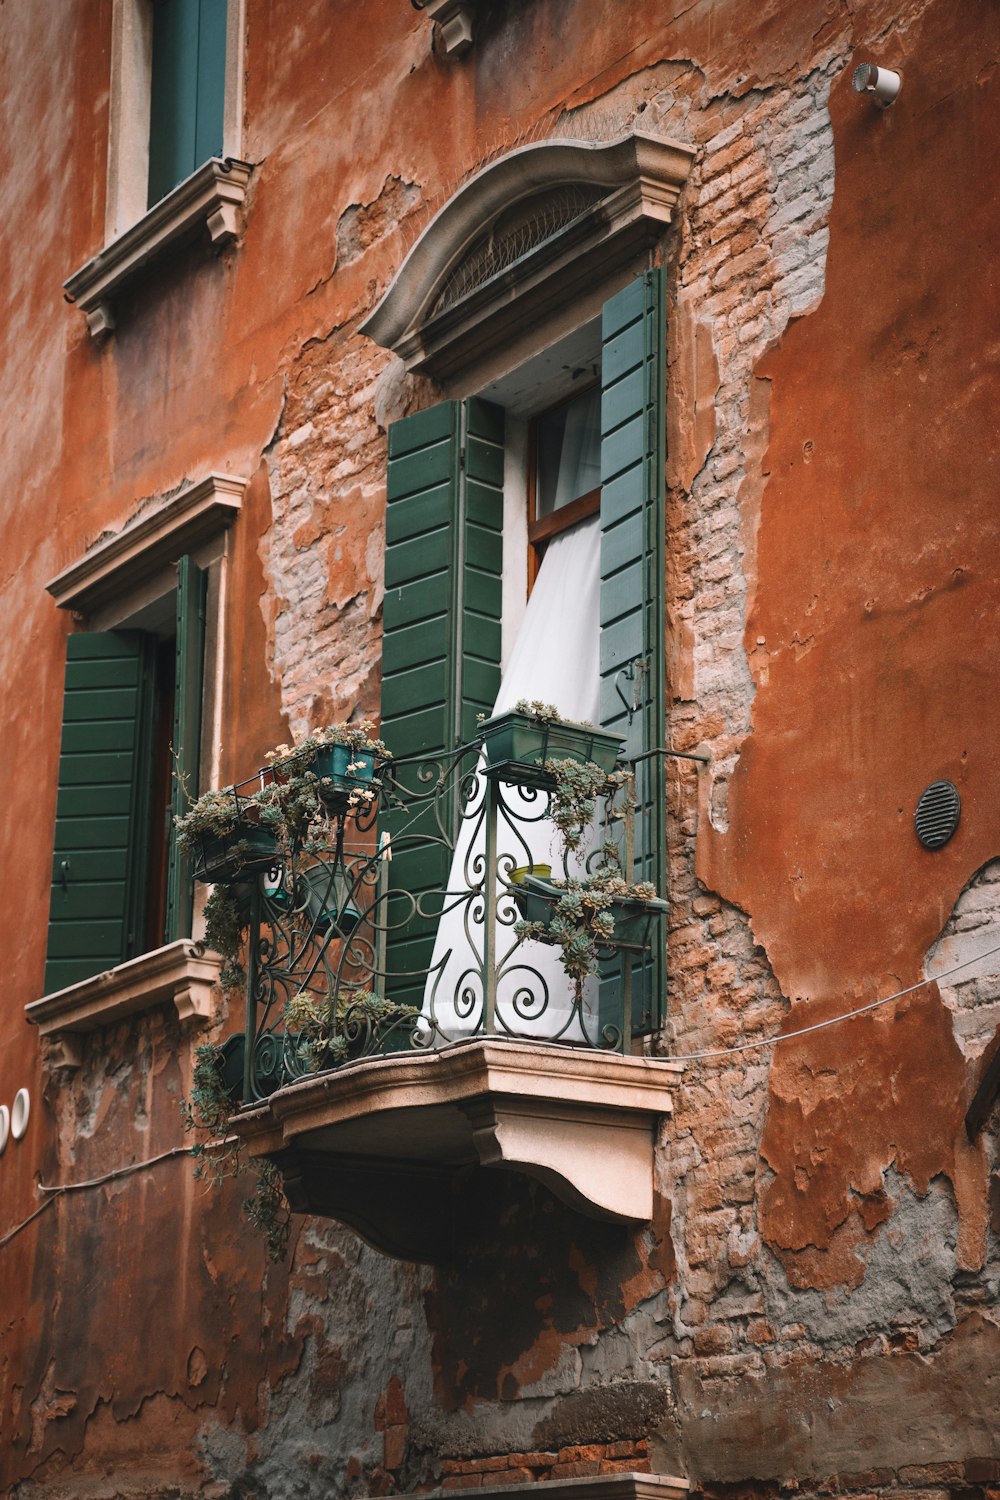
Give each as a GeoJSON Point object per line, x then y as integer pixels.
{"type": "Point", "coordinates": [342, 771]}
{"type": "Point", "coordinates": [536, 900]}
{"type": "Point", "coordinates": [222, 859]}
{"type": "Point", "coordinates": [517, 745]}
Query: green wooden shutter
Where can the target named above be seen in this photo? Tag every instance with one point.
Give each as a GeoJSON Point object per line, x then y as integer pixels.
{"type": "Point", "coordinates": [102, 812]}
{"type": "Point", "coordinates": [441, 621]}
{"type": "Point", "coordinates": [186, 742]}
{"type": "Point", "coordinates": [633, 456]}
{"type": "Point", "coordinates": [187, 90]}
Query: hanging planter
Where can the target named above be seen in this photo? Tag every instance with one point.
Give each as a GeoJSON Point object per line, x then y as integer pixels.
{"type": "Point", "coordinates": [520, 742]}
{"type": "Point", "coordinates": [225, 838]}
{"type": "Point", "coordinates": [581, 916]}
{"type": "Point", "coordinates": [342, 762]}
{"type": "Point", "coordinates": [327, 893]}
{"type": "Point", "coordinates": [346, 774]}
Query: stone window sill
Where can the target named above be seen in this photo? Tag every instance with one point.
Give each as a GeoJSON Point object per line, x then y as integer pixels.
{"type": "Point", "coordinates": [377, 1144]}
{"type": "Point", "coordinates": [183, 973]}
{"type": "Point", "coordinates": [627, 1486]}
{"type": "Point", "coordinates": [210, 198]}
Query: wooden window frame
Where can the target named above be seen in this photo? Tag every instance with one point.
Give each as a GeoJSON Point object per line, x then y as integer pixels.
{"type": "Point", "coordinates": [541, 529]}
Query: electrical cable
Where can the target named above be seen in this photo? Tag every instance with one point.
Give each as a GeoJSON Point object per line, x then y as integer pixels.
{"type": "Point", "coordinates": [848, 1015]}
{"type": "Point", "coordinates": [73, 1187]}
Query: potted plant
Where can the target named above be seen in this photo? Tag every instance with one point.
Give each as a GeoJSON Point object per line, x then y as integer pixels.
{"type": "Point", "coordinates": [226, 836]}
{"type": "Point", "coordinates": [357, 1024]}
{"type": "Point", "coordinates": [345, 761]}
{"type": "Point", "coordinates": [601, 910]}
{"type": "Point", "coordinates": [520, 742]}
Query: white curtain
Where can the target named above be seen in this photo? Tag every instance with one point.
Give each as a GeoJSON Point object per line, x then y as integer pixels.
{"type": "Point", "coordinates": [555, 659]}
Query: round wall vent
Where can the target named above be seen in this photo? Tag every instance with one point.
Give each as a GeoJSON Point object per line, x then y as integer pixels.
{"type": "Point", "coordinates": [937, 814]}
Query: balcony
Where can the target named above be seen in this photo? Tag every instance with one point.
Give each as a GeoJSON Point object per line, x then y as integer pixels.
{"type": "Point", "coordinates": [409, 1017]}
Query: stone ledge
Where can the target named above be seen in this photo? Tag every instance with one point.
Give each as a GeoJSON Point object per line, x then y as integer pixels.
{"type": "Point", "coordinates": [627, 1486]}
{"type": "Point", "coordinates": [378, 1143]}
{"type": "Point", "coordinates": [212, 198]}
{"type": "Point", "coordinates": [183, 972]}
{"type": "Point", "coordinates": [157, 537]}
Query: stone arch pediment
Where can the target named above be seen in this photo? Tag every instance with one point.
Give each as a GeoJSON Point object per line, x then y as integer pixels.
{"type": "Point", "coordinates": [519, 242]}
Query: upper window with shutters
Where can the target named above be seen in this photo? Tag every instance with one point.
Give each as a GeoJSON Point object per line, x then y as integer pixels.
{"type": "Point", "coordinates": [137, 734]}
{"type": "Point", "coordinates": [174, 141]}
{"type": "Point", "coordinates": [528, 288]}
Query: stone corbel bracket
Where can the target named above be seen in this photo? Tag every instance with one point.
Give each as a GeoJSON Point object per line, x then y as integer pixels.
{"type": "Point", "coordinates": [377, 1144]}
{"type": "Point", "coordinates": [626, 192]}
{"type": "Point", "coordinates": [183, 973]}
{"type": "Point", "coordinates": [457, 22]}
{"type": "Point", "coordinates": [211, 198]}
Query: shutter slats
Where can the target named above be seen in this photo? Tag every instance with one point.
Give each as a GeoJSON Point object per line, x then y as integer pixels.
{"type": "Point", "coordinates": [441, 621]}
{"type": "Point", "coordinates": [192, 585]}
{"type": "Point", "coordinates": [633, 458]}
{"type": "Point", "coordinates": [98, 867]}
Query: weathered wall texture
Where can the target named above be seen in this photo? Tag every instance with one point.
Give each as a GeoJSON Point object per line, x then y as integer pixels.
{"type": "Point", "coordinates": [814, 1306]}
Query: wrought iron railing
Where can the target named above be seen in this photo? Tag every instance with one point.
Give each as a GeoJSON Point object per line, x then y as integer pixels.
{"type": "Point", "coordinates": [391, 924]}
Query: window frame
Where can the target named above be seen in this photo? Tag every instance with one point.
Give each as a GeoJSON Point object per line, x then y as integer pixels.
{"type": "Point", "coordinates": [541, 529]}
{"type": "Point", "coordinates": [131, 582]}
{"type": "Point", "coordinates": [129, 120]}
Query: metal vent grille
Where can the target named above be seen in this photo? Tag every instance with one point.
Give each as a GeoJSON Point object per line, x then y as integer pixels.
{"type": "Point", "coordinates": [937, 814]}
{"type": "Point", "coordinates": [515, 234]}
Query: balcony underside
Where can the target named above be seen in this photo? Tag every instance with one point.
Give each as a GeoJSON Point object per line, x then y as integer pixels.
{"type": "Point", "coordinates": [386, 1144]}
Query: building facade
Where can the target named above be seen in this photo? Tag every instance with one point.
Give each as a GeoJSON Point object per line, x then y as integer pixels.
{"type": "Point", "coordinates": [318, 315]}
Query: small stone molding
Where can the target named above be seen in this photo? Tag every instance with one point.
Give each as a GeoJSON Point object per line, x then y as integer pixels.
{"type": "Point", "coordinates": [377, 1143]}
{"type": "Point", "coordinates": [183, 972]}
{"type": "Point", "coordinates": [155, 539]}
{"type": "Point", "coordinates": [627, 1486]}
{"type": "Point", "coordinates": [457, 22]}
{"type": "Point", "coordinates": [211, 198]}
{"type": "Point", "coordinates": [629, 190]}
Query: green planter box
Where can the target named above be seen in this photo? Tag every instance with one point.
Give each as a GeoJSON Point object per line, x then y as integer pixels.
{"type": "Point", "coordinates": [342, 771]}
{"type": "Point", "coordinates": [536, 900]}
{"type": "Point", "coordinates": [222, 859]}
{"type": "Point", "coordinates": [520, 744]}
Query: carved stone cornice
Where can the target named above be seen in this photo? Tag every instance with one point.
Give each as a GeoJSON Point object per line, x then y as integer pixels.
{"type": "Point", "coordinates": [631, 185]}
{"type": "Point", "coordinates": [211, 198]}
{"type": "Point", "coordinates": [182, 972]}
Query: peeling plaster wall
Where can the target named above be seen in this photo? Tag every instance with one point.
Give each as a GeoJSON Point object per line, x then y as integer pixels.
{"type": "Point", "coordinates": [813, 1306]}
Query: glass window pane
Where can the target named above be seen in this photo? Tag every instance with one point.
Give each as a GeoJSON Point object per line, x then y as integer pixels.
{"type": "Point", "coordinates": [568, 452]}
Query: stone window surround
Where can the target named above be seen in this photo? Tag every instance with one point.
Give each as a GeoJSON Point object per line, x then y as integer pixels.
{"type": "Point", "coordinates": [211, 197]}
{"type": "Point", "coordinates": [551, 289]}
{"type": "Point", "coordinates": [123, 571]}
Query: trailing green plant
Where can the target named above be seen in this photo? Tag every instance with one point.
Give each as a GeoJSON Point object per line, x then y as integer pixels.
{"type": "Point", "coordinates": [573, 798]}
{"type": "Point", "coordinates": [216, 813]}
{"type": "Point", "coordinates": [208, 1111]}
{"type": "Point", "coordinates": [334, 1031]}
{"type": "Point", "coordinates": [546, 712]}
{"type": "Point", "coordinates": [582, 918]}
{"type": "Point", "coordinates": [224, 927]}
{"type": "Point", "coordinates": [355, 736]}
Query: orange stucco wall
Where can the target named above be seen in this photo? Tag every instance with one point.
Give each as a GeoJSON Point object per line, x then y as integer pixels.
{"type": "Point", "coordinates": [816, 1298]}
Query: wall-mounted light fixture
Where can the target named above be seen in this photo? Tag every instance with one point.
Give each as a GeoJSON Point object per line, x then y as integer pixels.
{"type": "Point", "coordinates": [882, 83]}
